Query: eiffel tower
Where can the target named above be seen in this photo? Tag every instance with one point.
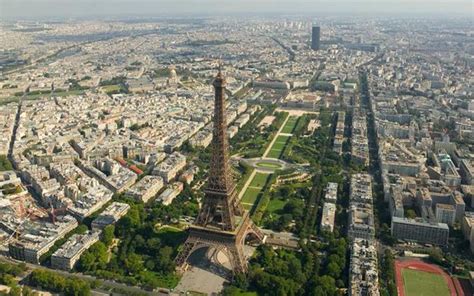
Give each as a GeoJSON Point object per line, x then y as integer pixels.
{"type": "Point", "coordinates": [222, 222]}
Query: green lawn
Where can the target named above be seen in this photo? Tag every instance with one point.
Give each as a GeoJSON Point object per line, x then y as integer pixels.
{"type": "Point", "coordinates": [275, 205]}
{"type": "Point", "coordinates": [169, 281]}
{"type": "Point", "coordinates": [278, 146]}
{"type": "Point", "coordinates": [420, 283]}
{"type": "Point", "coordinates": [171, 236]}
{"type": "Point", "coordinates": [259, 180]}
{"type": "Point", "coordinates": [68, 93]}
{"type": "Point", "coordinates": [111, 88]}
{"type": "Point", "coordinates": [290, 125]}
{"type": "Point", "coordinates": [8, 100]}
{"type": "Point", "coordinates": [168, 229]}
{"type": "Point", "coordinates": [254, 190]}
{"type": "Point", "coordinates": [268, 165]}
{"type": "Point", "coordinates": [250, 196]}
{"type": "Point", "coordinates": [36, 96]}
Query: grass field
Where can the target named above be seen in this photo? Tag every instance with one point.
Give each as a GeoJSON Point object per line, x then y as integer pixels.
{"type": "Point", "coordinates": [254, 190]}
{"type": "Point", "coordinates": [68, 93]}
{"type": "Point", "coordinates": [269, 165]}
{"type": "Point", "coordinates": [32, 97]}
{"type": "Point", "coordinates": [290, 125]}
{"type": "Point", "coordinates": [278, 146]}
{"type": "Point", "coordinates": [259, 180]}
{"type": "Point", "coordinates": [276, 205]}
{"type": "Point", "coordinates": [8, 100]}
{"type": "Point", "coordinates": [110, 88]}
{"type": "Point", "coordinates": [421, 283]}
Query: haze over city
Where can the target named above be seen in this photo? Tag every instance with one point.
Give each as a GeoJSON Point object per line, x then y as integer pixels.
{"type": "Point", "coordinates": [237, 148]}
{"type": "Point", "coordinates": [12, 9]}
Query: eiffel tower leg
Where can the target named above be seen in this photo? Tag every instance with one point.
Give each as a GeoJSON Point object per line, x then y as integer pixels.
{"type": "Point", "coordinates": [237, 258]}
{"type": "Point", "coordinates": [183, 255]}
{"type": "Point", "coordinates": [238, 208]}
{"type": "Point", "coordinates": [258, 233]}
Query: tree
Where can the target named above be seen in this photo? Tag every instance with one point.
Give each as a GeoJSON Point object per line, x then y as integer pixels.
{"type": "Point", "coordinates": [5, 164]}
{"type": "Point", "coordinates": [153, 244]}
{"type": "Point", "coordinates": [15, 290]}
{"type": "Point", "coordinates": [81, 229]}
{"type": "Point", "coordinates": [295, 207]}
{"type": "Point", "coordinates": [139, 241]}
{"type": "Point", "coordinates": [54, 282]}
{"type": "Point", "coordinates": [333, 269]}
{"type": "Point", "coordinates": [284, 221]}
{"type": "Point", "coordinates": [108, 235]}
{"type": "Point", "coordinates": [27, 291]}
{"type": "Point", "coordinates": [165, 261]}
{"type": "Point", "coordinates": [328, 284]}
{"type": "Point", "coordinates": [150, 264]}
{"type": "Point", "coordinates": [436, 256]}
{"type": "Point", "coordinates": [77, 288]}
{"type": "Point", "coordinates": [389, 275]}
{"type": "Point", "coordinates": [134, 263]}
{"type": "Point", "coordinates": [240, 280]}
{"type": "Point", "coordinates": [87, 261]}
{"type": "Point", "coordinates": [286, 191]}
{"type": "Point", "coordinates": [124, 226]}
{"type": "Point", "coordinates": [7, 279]}
{"type": "Point", "coordinates": [94, 258]}
{"type": "Point", "coordinates": [338, 258]}
{"type": "Point", "coordinates": [230, 291]}
{"type": "Point", "coordinates": [319, 291]}
{"type": "Point", "coordinates": [100, 251]}
{"type": "Point", "coordinates": [411, 214]}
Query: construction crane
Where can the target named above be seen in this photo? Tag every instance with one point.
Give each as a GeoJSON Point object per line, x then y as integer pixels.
{"type": "Point", "coordinates": [16, 232]}
{"type": "Point", "coordinates": [54, 212]}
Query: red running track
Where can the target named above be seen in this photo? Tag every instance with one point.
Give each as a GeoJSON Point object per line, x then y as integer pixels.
{"type": "Point", "coordinates": [422, 266]}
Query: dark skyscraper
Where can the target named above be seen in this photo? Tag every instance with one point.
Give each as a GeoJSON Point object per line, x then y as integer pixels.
{"type": "Point", "coordinates": [315, 37]}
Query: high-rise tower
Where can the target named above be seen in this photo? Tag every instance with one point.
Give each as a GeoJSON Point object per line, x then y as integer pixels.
{"type": "Point", "coordinates": [222, 223]}
{"type": "Point", "coordinates": [315, 36]}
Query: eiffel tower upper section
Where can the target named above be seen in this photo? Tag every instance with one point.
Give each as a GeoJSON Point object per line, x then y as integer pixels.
{"type": "Point", "coordinates": [220, 176]}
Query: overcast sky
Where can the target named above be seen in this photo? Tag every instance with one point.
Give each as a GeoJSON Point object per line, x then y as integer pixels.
{"type": "Point", "coordinates": [16, 9]}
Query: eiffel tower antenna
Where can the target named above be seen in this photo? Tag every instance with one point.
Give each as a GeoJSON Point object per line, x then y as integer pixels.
{"type": "Point", "coordinates": [219, 65]}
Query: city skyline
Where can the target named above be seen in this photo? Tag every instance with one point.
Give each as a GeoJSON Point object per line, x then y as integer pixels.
{"type": "Point", "coordinates": [300, 149]}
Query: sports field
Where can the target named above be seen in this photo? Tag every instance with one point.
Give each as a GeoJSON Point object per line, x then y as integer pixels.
{"type": "Point", "coordinates": [278, 146]}
{"type": "Point", "coordinates": [290, 125]}
{"type": "Point", "coordinates": [422, 283]}
{"type": "Point", "coordinates": [254, 190]}
{"type": "Point", "coordinates": [417, 278]}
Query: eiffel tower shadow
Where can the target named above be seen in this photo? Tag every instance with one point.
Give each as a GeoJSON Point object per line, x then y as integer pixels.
{"type": "Point", "coordinates": [205, 259]}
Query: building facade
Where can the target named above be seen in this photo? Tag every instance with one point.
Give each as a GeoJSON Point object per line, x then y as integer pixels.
{"type": "Point", "coordinates": [421, 232]}
{"type": "Point", "coordinates": [315, 38]}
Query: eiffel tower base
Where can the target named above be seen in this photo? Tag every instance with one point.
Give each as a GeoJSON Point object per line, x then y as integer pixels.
{"type": "Point", "coordinates": [231, 243]}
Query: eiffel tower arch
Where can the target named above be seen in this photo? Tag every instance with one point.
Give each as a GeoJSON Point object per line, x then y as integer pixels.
{"type": "Point", "coordinates": [222, 222]}
{"type": "Point", "coordinates": [229, 243]}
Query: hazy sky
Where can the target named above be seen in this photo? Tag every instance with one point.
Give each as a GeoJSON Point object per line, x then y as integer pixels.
{"type": "Point", "coordinates": [13, 9]}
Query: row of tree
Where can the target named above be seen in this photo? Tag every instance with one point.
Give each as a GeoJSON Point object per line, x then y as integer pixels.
{"type": "Point", "coordinates": [387, 278]}
{"type": "Point", "coordinates": [51, 281]}
{"type": "Point", "coordinates": [8, 274]}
